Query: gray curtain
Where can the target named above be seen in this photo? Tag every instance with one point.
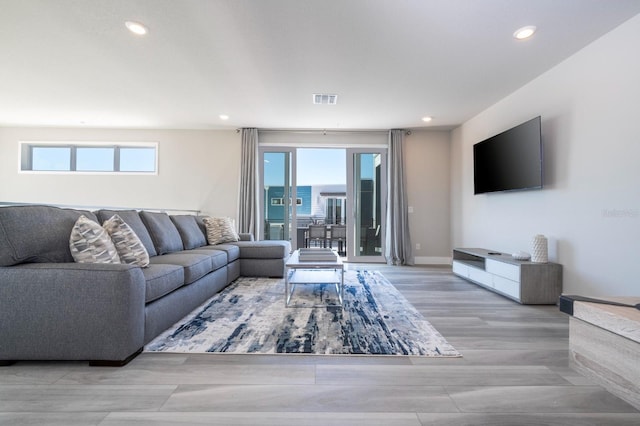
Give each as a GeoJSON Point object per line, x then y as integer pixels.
{"type": "Point", "coordinates": [248, 208]}
{"type": "Point", "coordinates": [398, 241]}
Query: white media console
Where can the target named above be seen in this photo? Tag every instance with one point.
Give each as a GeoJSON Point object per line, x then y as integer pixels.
{"type": "Point", "coordinates": [523, 281]}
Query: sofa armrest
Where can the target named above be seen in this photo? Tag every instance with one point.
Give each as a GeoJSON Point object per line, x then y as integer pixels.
{"type": "Point", "coordinates": [71, 311]}
{"type": "Point", "coordinates": [245, 236]}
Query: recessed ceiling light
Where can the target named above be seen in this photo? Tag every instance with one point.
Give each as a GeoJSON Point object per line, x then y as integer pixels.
{"type": "Point", "coordinates": [136, 27]}
{"type": "Point", "coordinates": [524, 32]}
{"type": "Point", "coordinates": [223, 117]}
{"type": "Point", "coordinates": [427, 119]}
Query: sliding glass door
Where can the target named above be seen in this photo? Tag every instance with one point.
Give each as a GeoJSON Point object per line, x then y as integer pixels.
{"type": "Point", "coordinates": [333, 187]}
{"type": "Point", "coordinates": [278, 195]}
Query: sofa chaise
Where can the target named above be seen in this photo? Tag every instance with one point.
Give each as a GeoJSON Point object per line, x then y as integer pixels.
{"type": "Point", "coordinates": [52, 308]}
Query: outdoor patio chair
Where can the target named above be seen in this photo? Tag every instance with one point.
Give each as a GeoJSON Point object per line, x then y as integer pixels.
{"type": "Point", "coordinates": [316, 234]}
{"type": "Point", "coordinates": [339, 233]}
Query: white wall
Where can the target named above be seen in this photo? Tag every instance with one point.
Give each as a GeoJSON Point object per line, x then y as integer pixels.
{"type": "Point", "coordinates": [427, 160]}
{"type": "Point", "coordinates": [590, 206]}
{"type": "Point", "coordinates": [198, 170]}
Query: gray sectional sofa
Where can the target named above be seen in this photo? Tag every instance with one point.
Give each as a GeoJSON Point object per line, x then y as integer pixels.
{"type": "Point", "coordinates": [52, 308]}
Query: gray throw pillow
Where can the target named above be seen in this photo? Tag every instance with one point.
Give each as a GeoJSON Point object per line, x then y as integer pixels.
{"type": "Point", "coordinates": [192, 236]}
{"type": "Point", "coordinates": [90, 243]}
{"type": "Point", "coordinates": [129, 247]}
{"type": "Point", "coordinates": [165, 235]}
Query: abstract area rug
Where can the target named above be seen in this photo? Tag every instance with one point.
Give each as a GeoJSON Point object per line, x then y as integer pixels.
{"type": "Point", "coordinates": [250, 316]}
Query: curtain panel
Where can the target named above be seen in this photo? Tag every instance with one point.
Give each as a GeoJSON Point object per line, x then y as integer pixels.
{"type": "Point", "coordinates": [398, 240]}
{"type": "Point", "coordinates": [248, 209]}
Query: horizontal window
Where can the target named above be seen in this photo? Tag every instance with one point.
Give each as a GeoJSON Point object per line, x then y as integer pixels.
{"type": "Point", "coordinates": [280, 201]}
{"type": "Point", "coordinates": [89, 158]}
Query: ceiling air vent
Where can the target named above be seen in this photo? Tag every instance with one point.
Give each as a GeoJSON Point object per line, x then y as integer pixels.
{"type": "Point", "coordinates": [321, 99]}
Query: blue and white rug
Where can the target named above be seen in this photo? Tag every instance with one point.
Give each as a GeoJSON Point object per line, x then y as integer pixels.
{"type": "Point", "coordinates": [250, 316]}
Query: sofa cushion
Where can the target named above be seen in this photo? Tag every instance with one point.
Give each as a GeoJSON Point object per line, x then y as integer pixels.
{"type": "Point", "coordinates": [196, 265]}
{"type": "Point", "coordinates": [201, 225]}
{"type": "Point", "coordinates": [220, 230]}
{"type": "Point", "coordinates": [90, 243]}
{"type": "Point", "coordinates": [161, 280]}
{"type": "Point", "coordinates": [245, 236]}
{"type": "Point", "coordinates": [129, 247]}
{"type": "Point", "coordinates": [36, 234]}
{"type": "Point", "coordinates": [232, 251]}
{"type": "Point", "coordinates": [189, 230]}
{"type": "Point", "coordinates": [218, 257]}
{"type": "Point", "coordinates": [131, 218]}
{"type": "Point", "coordinates": [265, 249]}
{"type": "Point", "coordinates": [164, 234]}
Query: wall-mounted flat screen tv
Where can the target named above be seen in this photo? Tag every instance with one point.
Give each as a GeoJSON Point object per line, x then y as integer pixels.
{"type": "Point", "coordinates": [509, 161]}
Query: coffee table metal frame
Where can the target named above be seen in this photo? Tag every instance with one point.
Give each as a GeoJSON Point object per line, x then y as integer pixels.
{"type": "Point", "coordinates": [313, 272]}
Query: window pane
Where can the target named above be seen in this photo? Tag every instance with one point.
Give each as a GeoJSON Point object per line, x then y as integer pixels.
{"type": "Point", "coordinates": [277, 185]}
{"type": "Point", "coordinates": [368, 188]}
{"type": "Point", "coordinates": [94, 159]}
{"type": "Point", "coordinates": [51, 158]}
{"type": "Point", "coordinates": [137, 159]}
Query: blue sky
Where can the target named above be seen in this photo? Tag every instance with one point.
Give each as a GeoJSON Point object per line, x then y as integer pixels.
{"type": "Point", "coordinates": [316, 166]}
{"type": "Point", "coordinates": [94, 158]}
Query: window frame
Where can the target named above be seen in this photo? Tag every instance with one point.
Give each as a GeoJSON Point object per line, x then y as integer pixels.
{"type": "Point", "coordinates": [25, 157]}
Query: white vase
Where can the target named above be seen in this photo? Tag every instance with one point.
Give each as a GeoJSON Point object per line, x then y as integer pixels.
{"type": "Point", "coordinates": [539, 249]}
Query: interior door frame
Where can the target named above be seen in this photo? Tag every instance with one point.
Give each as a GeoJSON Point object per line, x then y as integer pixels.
{"type": "Point", "coordinates": [350, 206]}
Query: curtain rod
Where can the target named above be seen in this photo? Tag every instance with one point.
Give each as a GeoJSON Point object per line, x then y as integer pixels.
{"type": "Point", "coordinates": [322, 131]}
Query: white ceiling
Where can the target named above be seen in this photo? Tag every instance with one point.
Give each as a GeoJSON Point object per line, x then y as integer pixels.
{"type": "Point", "coordinates": [391, 62]}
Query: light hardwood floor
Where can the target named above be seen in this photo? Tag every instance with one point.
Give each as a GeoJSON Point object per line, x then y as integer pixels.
{"type": "Point", "coordinates": [514, 370]}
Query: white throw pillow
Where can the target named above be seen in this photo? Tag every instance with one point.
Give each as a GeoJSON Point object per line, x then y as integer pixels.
{"type": "Point", "coordinates": [129, 247]}
{"type": "Point", "coordinates": [90, 243]}
{"type": "Point", "coordinates": [220, 230]}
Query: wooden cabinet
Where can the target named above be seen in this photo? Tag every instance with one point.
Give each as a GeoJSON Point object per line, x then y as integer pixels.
{"type": "Point", "coordinates": [523, 281]}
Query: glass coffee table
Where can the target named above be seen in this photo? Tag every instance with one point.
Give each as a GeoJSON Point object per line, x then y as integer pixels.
{"type": "Point", "coordinates": [314, 266]}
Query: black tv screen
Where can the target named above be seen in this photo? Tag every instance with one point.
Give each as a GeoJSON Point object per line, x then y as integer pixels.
{"type": "Point", "coordinates": [510, 160]}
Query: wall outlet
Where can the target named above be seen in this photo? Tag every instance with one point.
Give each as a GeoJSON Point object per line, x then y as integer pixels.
{"type": "Point", "coordinates": [410, 209]}
{"type": "Point", "coordinates": [418, 246]}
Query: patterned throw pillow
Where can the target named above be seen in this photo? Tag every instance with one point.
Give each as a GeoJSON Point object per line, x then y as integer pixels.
{"type": "Point", "coordinates": [129, 247]}
{"type": "Point", "coordinates": [220, 230]}
{"type": "Point", "coordinates": [90, 243]}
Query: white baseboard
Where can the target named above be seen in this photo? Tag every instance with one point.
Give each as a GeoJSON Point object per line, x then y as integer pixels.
{"type": "Point", "coordinates": [431, 260]}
